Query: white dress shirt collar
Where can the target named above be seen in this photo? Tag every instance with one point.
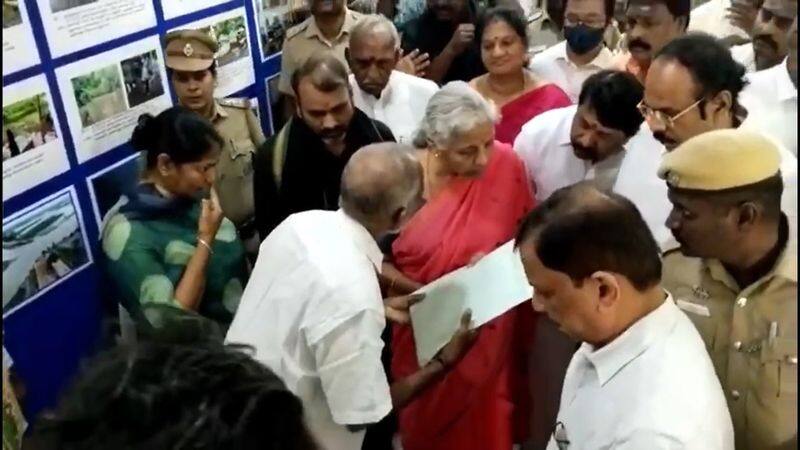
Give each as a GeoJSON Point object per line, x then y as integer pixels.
{"type": "Point", "coordinates": [786, 89]}
{"type": "Point", "coordinates": [611, 358]}
{"type": "Point", "coordinates": [603, 60]}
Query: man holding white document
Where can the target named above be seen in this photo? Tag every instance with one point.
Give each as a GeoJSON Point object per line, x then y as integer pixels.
{"type": "Point", "coordinates": [642, 378]}
{"type": "Point", "coordinates": [313, 309]}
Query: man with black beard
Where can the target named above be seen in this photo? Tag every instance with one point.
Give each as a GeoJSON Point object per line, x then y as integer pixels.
{"type": "Point", "coordinates": [651, 25]}
{"type": "Point", "coordinates": [770, 31]}
{"type": "Point", "coordinates": [300, 168]}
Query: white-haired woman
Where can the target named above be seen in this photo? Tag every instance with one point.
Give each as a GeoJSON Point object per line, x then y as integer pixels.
{"type": "Point", "coordinates": [476, 194]}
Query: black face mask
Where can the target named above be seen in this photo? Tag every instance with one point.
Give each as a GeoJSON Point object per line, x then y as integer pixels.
{"type": "Point", "coordinates": [581, 38]}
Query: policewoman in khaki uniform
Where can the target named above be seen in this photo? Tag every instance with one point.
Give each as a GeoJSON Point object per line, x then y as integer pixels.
{"type": "Point", "coordinates": [193, 72]}
{"type": "Point", "coordinates": [733, 271]}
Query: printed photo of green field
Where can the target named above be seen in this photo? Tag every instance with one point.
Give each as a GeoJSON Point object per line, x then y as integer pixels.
{"type": "Point", "coordinates": [27, 124]}
{"type": "Point", "coordinates": [99, 95]}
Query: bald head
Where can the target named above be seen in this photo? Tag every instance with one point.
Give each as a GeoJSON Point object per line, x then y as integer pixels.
{"type": "Point", "coordinates": [380, 181]}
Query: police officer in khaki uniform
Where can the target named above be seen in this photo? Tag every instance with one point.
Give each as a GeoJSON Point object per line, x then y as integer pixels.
{"type": "Point", "coordinates": [327, 29]}
{"type": "Point", "coordinates": [733, 270]}
{"type": "Point", "coordinates": [190, 59]}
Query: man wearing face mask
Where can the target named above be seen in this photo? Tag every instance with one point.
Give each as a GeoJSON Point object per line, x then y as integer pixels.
{"type": "Point", "coordinates": [651, 25]}
{"type": "Point", "coordinates": [569, 63]}
{"type": "Point", "coordinates": [771, 97]}
{"type": "Point", "coordinates": [769, 46]}
{"type": "Point", "coordinates": [300, 168]}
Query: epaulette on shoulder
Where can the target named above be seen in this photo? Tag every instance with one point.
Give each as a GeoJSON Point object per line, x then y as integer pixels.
{"type": "Point", "coordinates": [235, 102]}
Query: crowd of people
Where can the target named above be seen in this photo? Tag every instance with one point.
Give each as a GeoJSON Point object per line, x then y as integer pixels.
{"type": "Point", "coordinates": [650, 189]}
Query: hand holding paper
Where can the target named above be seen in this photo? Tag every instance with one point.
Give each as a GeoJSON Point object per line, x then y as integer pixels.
{"type": "Point", "coordinates": [494, 285]}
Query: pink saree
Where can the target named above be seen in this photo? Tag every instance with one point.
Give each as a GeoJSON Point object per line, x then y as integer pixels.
{"type": "Point", "coordinates": [482, 402]}
{"type": "Point", "coordinates": [516, 113]}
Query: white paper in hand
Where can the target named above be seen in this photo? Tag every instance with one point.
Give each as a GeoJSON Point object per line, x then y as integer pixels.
{"type": "Point", "coordinates": [491, 287]}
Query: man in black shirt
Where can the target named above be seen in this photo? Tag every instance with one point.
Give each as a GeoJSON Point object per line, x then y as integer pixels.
{"type": "Point", "coordinates": [300, 168]}
{"type": "Point", "coordinates": [446, 31]}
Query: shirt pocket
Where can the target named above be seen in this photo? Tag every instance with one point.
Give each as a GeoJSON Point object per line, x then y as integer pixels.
{"type": "Point", "coordinates": [779, 368]}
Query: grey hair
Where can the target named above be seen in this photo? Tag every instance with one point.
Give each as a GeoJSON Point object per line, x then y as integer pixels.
{"type": "Point", "coordinates": [378, 189]}
{"type": "Point", "coordinates": [453, 110]}
{"type": "Point", "coordinates": [372, 23]}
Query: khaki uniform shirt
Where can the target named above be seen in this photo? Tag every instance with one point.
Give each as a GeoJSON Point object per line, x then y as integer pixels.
{"type": "Point", "coordinates": [758, 373]}
{"type": "Point", "coordinates": [242, 134]}
{"type": "Point", "coordinates": [305, 39]}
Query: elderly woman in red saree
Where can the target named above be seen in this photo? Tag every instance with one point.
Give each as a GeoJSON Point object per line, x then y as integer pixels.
{"type": "Point", "coordinates": [476, 193]}
{"type": "Point", "coordinates": [519, 94]}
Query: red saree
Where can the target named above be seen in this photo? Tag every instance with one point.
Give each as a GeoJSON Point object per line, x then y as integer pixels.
{"type": "Point", "coordinates": [517, 112]}
{"type": "Point", "coordinates": [482, 402]}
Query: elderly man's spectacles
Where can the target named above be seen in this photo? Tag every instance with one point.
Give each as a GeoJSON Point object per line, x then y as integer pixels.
{"type": "Point", "coordinates": [661, 117]}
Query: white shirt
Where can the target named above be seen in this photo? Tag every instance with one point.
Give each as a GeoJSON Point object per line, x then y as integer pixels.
{"type": "Point", "coordinates": [653, 387]}
{"type": "Point", "coordinates": [544, 146]}
{"type": "Point", "coordinates": [771, 102]}
{"type": "Point", "coordinates": [710, 18]}
{"type": "Point", "coordinates": [745, 55]}
{"type": "Point", "coordinates": [555, 66]}
{"type": "Point", "coordinates": [401, 105]}
{"type": "Point", "coordinates": [314, 314]}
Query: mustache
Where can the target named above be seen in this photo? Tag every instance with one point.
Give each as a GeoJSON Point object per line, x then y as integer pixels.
{"type": "Point", "coordinates": [640, 44]}
{"type": "Point", "coordinates": [766, 39]}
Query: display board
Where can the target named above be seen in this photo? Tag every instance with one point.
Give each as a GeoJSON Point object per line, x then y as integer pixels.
{"type": "Point", "coordinates": [76, 75]}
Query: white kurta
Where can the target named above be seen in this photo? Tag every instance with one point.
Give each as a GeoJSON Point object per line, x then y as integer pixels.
{"type": "Point", "coordinates": [653, 387]}
{"type": "Point", "coordinates": [710, 18]}
{"type": "Point", "coordinates": [401, 105]}
{"type": "Point", "coordinates": [313, 311]}
{"type": "Point", "coordinates": [555, 66]}
{"type": "Point", "coordinates": [771, 101]}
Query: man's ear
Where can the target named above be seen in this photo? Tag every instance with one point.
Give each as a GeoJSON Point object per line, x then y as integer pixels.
{"type": "Point", "coordinates": [608, 289]}
{"type": "Point", "coordinates": [723, 101]}
{"type": "Point", "coordinates": [748, 214]}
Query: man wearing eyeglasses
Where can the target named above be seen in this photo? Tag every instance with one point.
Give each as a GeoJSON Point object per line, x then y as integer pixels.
{"type": "Point", "coordinates": [693, 87]}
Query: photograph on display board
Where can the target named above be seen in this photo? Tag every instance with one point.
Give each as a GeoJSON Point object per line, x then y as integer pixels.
{"type": "Point", "coordinates": [234, 59]}
{"type": "Point", "coordinates": [73, 25]}
{"type": "Point", "coordinates": [11, 14]}
{"type": "Point", "coordinates": [61, 5]}
{"type": "Point", "coordinates": [142, 78]}
{"type": "Point", "coordinates": [27, 124]}
{"type": "Point", "coordinates": [42, 246]}
{"type": "Point", "coordinates": [274, 18]}
{"type": "Point", "coordinates": [33, 149]}
{"type": "Point", "coordinates": [108, 185]}
{"type": "Point", "coordinates": [104, 95]}
{"type": "Point", "coordinates": [19, 48]}
{"type": "Point", "coordinates": [99, 95]}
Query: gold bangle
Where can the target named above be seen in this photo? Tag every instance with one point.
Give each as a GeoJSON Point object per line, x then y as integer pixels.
{"type": "Point", "coordinates": [205, 244]}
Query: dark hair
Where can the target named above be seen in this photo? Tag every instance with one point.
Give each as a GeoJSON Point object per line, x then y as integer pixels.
{"type": "Point", "coordinates": [608, 7]}
{"type": "Point", "coordinates": [710, 63]}
{"type": "Point", "coordinates": [177, 132]}
{"type": "Point", "coordinates": [580, 230]}
{"type": "Point", "coordinates": [766, 193]}
{"type": "Point", "coordinates": [614, 97]}
{"type": "Point", "coordinates": [155, 395]}
{"type": "Point", "coordinates": [680, 9]}
{"type": "Point", "coordinates": [326, 73]}
{"type": "Point", "coordinates": [511, 17]}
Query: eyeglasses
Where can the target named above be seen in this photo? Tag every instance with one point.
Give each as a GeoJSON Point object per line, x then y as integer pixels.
{"type": "Point", "coordinates": [651, 114]}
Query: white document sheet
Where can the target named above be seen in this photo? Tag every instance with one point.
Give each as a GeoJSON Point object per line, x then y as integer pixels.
{"type": "Point", "coordinates": [491, 287]}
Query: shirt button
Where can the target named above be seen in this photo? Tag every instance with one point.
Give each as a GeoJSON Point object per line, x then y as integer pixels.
{"type": "Point", "coordinates": [737, 345]}
{"type": "Point", "coordinates": [742, 302]}
{"type": "Point", "coordinates": [735, 394]}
